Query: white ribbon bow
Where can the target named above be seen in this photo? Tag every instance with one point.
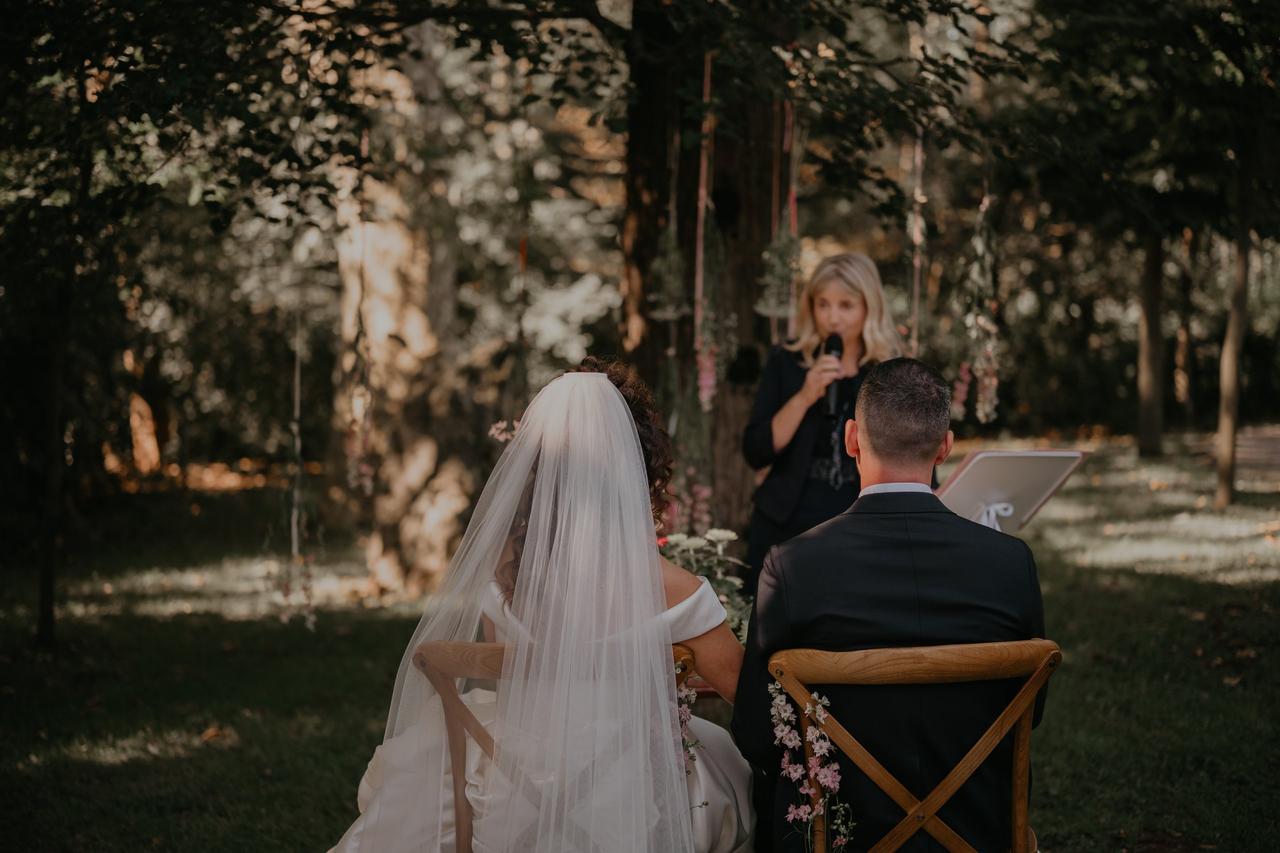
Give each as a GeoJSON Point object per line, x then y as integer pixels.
{"type": "Point", "coordinates": [990, 514]}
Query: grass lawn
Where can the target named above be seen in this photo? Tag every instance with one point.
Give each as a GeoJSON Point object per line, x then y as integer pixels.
{"type": "Point", "coordinates": [182, 714]}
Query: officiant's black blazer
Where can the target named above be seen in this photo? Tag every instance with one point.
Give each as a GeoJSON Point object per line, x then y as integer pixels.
{"type": "Point", "coordinates": [896, 569]}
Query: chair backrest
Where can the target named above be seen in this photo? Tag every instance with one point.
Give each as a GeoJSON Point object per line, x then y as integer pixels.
{"type": "Point", "coordinates": [797, 670]}
{"type": "Point", "coordinates": [443, 664]}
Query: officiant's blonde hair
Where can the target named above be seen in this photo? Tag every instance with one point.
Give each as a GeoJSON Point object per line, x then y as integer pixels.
{"type": "Point", "coordinates": [858, 275]}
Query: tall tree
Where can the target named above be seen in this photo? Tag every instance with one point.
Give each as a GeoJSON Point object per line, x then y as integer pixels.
{"type": "Point", "coordinates": [103, 105]}
{"type": "Point", "coordinates": [1113, 86]}
{"type": "Point", "coordinates": [1242, 67]}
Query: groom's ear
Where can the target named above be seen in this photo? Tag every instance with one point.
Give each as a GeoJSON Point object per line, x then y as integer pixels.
{"type": "Point", "coordinates": [851, 438]}
{"type": "Point", "coordinates": [945, 450]}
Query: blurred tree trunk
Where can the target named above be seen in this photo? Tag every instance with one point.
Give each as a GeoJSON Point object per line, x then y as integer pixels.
{"type": "Point", "coordinates": [61, 316]}
{"type": "Point", "coordinates": [1184, 369]}
{"type": "Point", "coordinates": [1229, 367]}
{"type": "Point", "coordinates": [746, 206]}
{"type": "Point", "coordinates": [52, 551]}
{"type": "Point", "coordinates": [653, 111]}
{"type": "Point", "coordinates": [1150, 350]}
{"type": "Point", "coordinates": [414, 444]}
{"type": "Point", "coordinates": [418, 457]}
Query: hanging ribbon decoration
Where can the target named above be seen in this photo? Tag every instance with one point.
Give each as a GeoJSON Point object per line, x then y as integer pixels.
{"type": "Point", "coordinates": [916, 217]}
{"type": "Point", "coordinates": [917, 238]}
{"type": "Point", "coordinates": [990, 514]}
{"type": "Point", "coordinates": [775, 186]}
{"type": "Point", "coordinates": [359, 469]}
{"type": "Point", "coordinates": [704, 354]}
{"type": "Point", "coordinates": [789, 148]}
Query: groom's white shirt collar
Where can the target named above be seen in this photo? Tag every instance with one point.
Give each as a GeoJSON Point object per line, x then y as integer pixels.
{"type": "Point", "coordinates": [882, 488]}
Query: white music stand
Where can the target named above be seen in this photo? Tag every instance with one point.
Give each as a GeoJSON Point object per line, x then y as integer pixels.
{"type": "Point", "coordinates": [1003, 489]}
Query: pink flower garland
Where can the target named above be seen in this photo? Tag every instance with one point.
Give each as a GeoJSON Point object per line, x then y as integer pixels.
{"type": "Point", "coordinates": [685, 697]}
{"type": "Point", "coordinates": [826, 776]}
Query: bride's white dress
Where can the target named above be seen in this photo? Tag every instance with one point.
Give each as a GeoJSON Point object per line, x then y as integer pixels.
{"type": "Point", "coordinates": [394, 817]}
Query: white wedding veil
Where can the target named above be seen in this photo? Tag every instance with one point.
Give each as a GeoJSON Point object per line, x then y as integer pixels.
{"type": "Point", "coordinates": [559, 562]}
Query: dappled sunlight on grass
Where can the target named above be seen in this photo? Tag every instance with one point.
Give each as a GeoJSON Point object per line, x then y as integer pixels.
{"type": "Point", "coordinates": [145, 745]}
{"type": "Point", "coordinates": [183, 713]}
{"type": "Point", "coordinates": [239, 588]}
{"type": "Point", "coordinates": [1120, 511]}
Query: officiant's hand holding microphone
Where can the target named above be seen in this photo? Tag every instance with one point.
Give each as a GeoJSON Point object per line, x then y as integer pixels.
{"type": "Point", "coordinates": [819, 384]}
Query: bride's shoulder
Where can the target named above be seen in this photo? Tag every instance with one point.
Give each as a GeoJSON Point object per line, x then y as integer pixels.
{"type": "Point", "coordinates": [677, 583]}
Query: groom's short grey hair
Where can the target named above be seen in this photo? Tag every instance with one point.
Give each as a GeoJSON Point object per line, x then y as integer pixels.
{"type": "Point", "coordinates": [904, 407]}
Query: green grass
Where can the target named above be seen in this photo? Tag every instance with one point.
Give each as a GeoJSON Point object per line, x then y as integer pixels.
{"type": "Point", "coordinates": [182, 714]}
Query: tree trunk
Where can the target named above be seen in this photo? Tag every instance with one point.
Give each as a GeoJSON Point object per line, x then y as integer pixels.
{"type": "Point", "coordinates": [653, 111]}
{"type": "Point", "coordinates": [52, 554]}
{"type": "Point", "coordinates": [418, 433]}
{"type": "Point", "coordinates": [748, 144]}
{"type": "Point", "coordinates": [421, 453]}
{"type": "Point", "coordinates": [1184, 368]}
{"type": "Point", "coordinates": [60, 337]}
{"type": "Point", "coordinates": [1229, 372]}
{"type": "Point", "coordinates": [1150, 354]}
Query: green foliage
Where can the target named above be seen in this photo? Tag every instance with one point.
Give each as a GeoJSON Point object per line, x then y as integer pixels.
{"type": "Point", "coordinates": [781, 272]}
{"type": "Point", "coordinates": [1149, 112]}
{"type": "Point", "coordinates": [706, 556]}
{"type": "Point", "coordinates": [110, 114]}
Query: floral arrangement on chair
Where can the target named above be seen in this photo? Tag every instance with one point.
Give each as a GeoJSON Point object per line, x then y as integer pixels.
{"type": "Point", "coordinates": [685, 697]}
{"type": "Point", "coordinates": [819, 781]}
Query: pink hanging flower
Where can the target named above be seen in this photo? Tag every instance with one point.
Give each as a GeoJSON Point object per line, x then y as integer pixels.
{"type": "Point", "coordinates": [790, 769]}
{"type": "Point", "coordinates": [706, 360]}
{"type": "Point", "coordinates": [829, 777]}
{"type": "Point", "coordinates": [803, 813]}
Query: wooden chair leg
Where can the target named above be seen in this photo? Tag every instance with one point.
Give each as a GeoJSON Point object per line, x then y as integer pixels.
{"type": "Point", "coordinates": [462, 816]}
{"type": "Point", "coordinates": [1021, 784]}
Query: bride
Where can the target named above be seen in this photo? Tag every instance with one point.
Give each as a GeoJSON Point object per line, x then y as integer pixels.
{"type": "Point", "coordinates": [559, 563]}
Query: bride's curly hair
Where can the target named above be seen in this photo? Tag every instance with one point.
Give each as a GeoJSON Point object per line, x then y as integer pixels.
{"type": "Point", "coordinates": [655, 443]}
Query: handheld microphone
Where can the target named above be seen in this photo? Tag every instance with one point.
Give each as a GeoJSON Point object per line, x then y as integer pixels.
{"type": "Point", "coordinates": [834, 345]}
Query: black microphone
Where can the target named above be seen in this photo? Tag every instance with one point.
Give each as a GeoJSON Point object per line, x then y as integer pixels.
{"type": "Point", "coordinates": [834, 345]}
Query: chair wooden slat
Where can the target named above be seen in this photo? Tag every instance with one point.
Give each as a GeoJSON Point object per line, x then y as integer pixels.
{"type": "Point", "coordinates": [868, 764]}
{"type": "Point", "coordinates": [918, 665]}
{"type": "Point", "coordinates": [928, 808]}
{"type": "Point", "coordinates": [1022, 782]}
{"type": "Point", "coordinates": [797, 669]}
{"type": "Point", "coordinates": [443, 663]}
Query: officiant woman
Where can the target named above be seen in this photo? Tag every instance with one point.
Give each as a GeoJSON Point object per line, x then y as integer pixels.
{"type": "Point", "coordinates": [795, 435]}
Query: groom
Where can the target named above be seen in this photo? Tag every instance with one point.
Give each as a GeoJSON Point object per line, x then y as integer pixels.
{"type": "Point", "coordinates": [897, 569]}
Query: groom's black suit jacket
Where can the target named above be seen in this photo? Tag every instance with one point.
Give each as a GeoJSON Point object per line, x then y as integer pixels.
{"type": "Point", "coordinates": [897, 569]}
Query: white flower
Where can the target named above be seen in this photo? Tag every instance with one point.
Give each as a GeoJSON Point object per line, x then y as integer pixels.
{"type": "Point", "coordinates": [693, 542]}
{"type": "Point", "coordinates": [719, 534]}
{"type": "Point", "coordinates": [677, 539]}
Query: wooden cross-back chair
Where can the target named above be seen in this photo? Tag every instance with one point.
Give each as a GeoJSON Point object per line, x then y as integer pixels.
{"type": "Point", "coordinates": [443, 663]}
{"type": "Point", "coordinates": [798, 669]}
